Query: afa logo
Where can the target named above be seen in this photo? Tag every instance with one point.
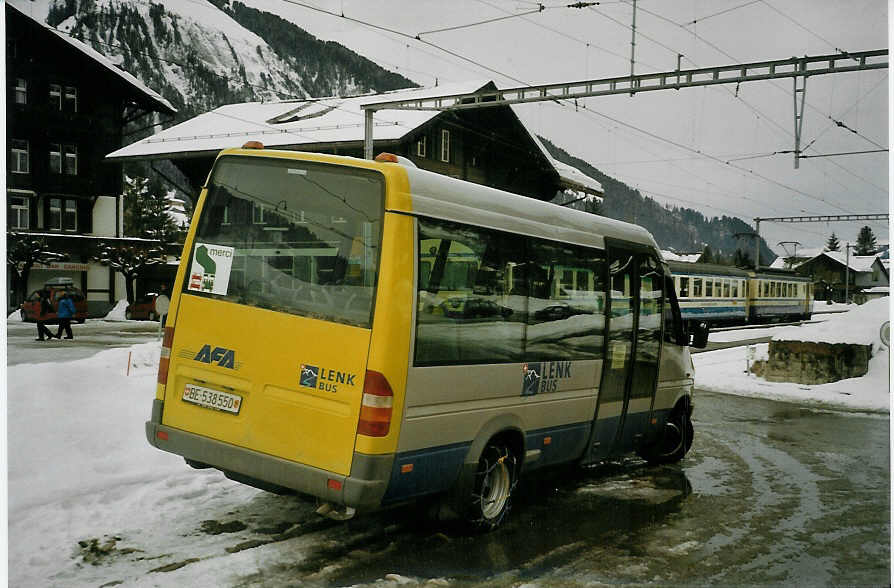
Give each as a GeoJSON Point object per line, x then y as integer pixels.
{"type": "Point", "coordinates": [219, 355]}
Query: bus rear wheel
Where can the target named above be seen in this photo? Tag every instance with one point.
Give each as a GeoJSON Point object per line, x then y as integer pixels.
{"type": "Point", "coordinates": [674, 443]}
{"type": "Point", "coordinates": [494, 483]}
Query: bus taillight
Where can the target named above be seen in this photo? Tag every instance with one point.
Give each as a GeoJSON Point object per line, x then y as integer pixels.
{"type": "Point", "coordinates": [165, 359]}
{"type": "Point", "coordinates": [375, 408]}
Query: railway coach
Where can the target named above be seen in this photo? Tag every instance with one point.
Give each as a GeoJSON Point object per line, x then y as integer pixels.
{"type": "Point", "coordinates": [723, 295]}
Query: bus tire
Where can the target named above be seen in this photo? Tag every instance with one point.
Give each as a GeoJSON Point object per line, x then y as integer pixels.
{"type": "Point", "coordinates": [494, 482]}
{"type": "Point", "coordinates": [675, 442]}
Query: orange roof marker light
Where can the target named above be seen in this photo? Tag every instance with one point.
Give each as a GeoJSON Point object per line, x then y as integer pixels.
{"type": "Point", "coordinates": [253, 145]}
{"type": "Point", "coordinates": [385, 157]}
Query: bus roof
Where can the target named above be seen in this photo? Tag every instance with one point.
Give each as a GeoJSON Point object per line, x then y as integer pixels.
{"type": "Point", "coordinates": [439, 196]}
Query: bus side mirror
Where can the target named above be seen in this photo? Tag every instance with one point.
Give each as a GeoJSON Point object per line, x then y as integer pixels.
{"type": "Point", "coordinates": [699, 334]}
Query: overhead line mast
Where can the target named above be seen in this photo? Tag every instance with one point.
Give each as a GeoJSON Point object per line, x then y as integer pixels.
{"type": "Point", "coordinates": [793, 67]}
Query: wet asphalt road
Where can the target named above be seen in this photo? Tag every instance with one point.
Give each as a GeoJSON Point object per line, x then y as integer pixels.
{"type": "Point", "coordinates": [771, 494]}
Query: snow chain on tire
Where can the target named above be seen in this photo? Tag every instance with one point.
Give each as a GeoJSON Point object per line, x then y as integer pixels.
{"type": "Point", "coordinates": [480, 503]}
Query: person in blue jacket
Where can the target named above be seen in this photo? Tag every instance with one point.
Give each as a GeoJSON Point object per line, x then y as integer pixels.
{"type": "Point", "coordinates": [65, 312]}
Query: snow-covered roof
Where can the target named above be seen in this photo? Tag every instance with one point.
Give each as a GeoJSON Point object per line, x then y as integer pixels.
{"type": "Point", "coordinates": [858, 263]}
{"type": "Point", "coordinates": [685, 257]}
{"type": "Point", "coordinates": [569, 174]}
{"type": "Point", "coordinates": [99, 58]}
{"type": "Point", "coordinates": [311, 122]}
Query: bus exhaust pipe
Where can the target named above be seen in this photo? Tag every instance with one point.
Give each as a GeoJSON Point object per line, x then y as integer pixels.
{"type": "Point", "coordinates": [331, 512]}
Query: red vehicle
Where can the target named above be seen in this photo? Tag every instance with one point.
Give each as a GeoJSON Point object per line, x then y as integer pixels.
{"type": "Point", "coordinates": [31, 307]}
{"type": "Point", "coordinates": [143, 308]}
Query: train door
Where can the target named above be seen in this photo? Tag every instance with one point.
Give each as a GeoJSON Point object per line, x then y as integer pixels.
{"type": "Point", "coordinates": [632, 350]}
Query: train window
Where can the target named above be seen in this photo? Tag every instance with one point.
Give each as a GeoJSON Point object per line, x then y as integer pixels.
{"type": "Point", "coordinates": [726, 288]}
{"type": "Point", "coordinates": [735, 289]}
{"type": "Point", "coordinates": [709, 288]}
{"type": "Point", "coordinates": [684, 287]}
{"type": "Point", "coordinates": [696, 287]}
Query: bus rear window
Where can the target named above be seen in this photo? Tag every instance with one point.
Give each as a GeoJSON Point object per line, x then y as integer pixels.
{"type": "Point", "coordinates": [290, 236]}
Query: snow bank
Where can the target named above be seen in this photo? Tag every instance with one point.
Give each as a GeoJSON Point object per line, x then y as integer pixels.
{"type": "Point", "coordinates": [859, 326]}
{"type": "Point", "coordinates": [725, 372]}
{"type": "Point", "coordinates": [70, 428]}
{"type": "Point", "coordinates": [117, 311]}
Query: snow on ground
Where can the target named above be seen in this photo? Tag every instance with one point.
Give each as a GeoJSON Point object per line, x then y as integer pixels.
{"type": "Point", "coordinates": [117, 312]}
{"type": "Point", "coordinates": [724, 371]}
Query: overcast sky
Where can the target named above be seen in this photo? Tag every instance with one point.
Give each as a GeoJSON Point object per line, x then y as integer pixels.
{"type": "Point", "coordinates": [743, 126]}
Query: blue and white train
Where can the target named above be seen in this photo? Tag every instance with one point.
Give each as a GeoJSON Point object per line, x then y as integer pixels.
{"type": "Point", "coordinates": [721, 295]}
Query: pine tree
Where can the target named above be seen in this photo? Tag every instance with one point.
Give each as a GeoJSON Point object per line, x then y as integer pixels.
{"type": "Point", "coordinates": [146, 215]}
{"type": "Point", "coordinates": [147, 211]}
{"type": "Point", "coordinates": [866, 244]}
{"type": "Point", "coordinates": [832, 244]}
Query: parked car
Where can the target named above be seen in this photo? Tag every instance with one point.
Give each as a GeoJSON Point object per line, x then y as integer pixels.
{"type": "Point", "coordinates": [30, 309]}
{"type": "Point", "coordinates": [554, 312]}
{"type": "Point", "coordinates": [143, 308]}
{"type": "Point", "coordinates": [459, 307]}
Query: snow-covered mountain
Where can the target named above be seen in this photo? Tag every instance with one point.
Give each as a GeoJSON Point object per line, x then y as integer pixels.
{"type": "Point", "coordinates": [200, 54]}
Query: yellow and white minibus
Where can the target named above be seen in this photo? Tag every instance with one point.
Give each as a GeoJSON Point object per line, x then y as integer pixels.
{"type": "Point", "coordinates": [368, 333]}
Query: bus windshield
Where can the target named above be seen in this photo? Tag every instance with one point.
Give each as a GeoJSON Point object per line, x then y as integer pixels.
{"type": "Point", "coordinates": [290, 236]}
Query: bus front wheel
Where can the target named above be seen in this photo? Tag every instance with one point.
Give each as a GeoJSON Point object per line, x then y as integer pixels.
{"type": "Point", "coordinates": [494, 483]}
{"type": "Point", "coordinates": [675, 441]}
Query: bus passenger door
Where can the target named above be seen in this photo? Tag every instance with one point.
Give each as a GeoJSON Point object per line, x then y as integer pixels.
{"type": "Point", "coordinates": [632, 351]}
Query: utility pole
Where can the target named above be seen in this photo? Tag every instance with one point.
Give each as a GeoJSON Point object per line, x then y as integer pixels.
{"type": "Point", "coordinates": [847, 270]}
{"type": "Point", "coordinates": [633, 48]}
{"type": "Point", "coordinates": [757, 244]}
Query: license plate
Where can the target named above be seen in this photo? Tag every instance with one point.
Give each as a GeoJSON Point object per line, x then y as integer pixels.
{"type": "Point", "coordinates": [213, 399]}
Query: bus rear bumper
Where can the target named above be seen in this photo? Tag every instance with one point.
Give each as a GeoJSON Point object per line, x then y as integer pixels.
{"type": "Point", "coordinates": [363, 489]}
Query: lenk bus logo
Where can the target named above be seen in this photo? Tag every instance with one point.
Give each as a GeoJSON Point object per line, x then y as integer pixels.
{"type": "Point", "coordinates": [543, 377]}
{"type": "Point", "coordinates": [312, 376]}
{"type": "Point", "coordinates": [220, 355]}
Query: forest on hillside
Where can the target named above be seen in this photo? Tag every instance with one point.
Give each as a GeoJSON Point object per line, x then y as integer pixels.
{"type": "Point", "coordinates": [675, 228]}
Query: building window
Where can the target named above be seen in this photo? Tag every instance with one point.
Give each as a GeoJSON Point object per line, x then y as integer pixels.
{"type": "Point", "coordinates": [56, 96]}
{"type": "Point", "coordinates": [421, 146]}
{"type": "Point", "coordinates": [21, 91]}
{"type": "Point", "coordinates": [19, 214]}
{"type": "Point", "coordinates": [71, 99]}
{"type": "Point", "coordinates": [19, 157]}
{"type": "Point", "coordinates": [55, 158]}
{"type": "Point", "coordinates": [70, 216]}
{"type": "Point", "coordinates": [71, 160]}
{"type": "Point", "coordinates": [257, 214]}
{"type": "Point", "coordinates": [54, 222]}
{"type": "Point", "coordinates": [445, 145]}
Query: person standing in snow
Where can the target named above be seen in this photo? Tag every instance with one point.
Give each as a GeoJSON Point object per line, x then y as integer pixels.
{"type": "Point", "coordinates": [65, 312]}
{"type": "Point", "coordinates": [45, 309]}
